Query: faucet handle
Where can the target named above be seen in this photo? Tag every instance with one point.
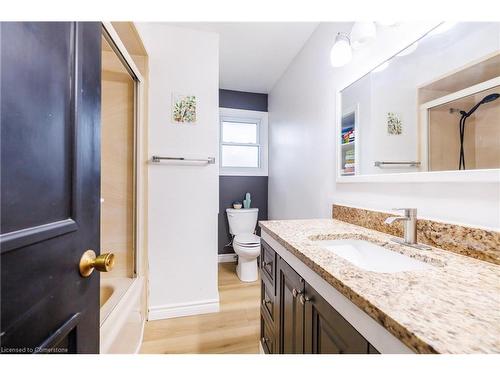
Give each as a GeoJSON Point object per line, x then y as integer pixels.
{"type": "Point", "coordinates": [409, 212]}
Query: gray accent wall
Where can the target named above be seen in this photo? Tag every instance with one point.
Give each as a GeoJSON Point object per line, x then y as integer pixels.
{"type": "Point", "coordinates": [242, 100]}
{"type": "Point", "coordinates": [234, 188]}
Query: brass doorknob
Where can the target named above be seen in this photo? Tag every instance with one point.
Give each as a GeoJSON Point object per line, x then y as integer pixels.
{"type": "Point", "coordinates": [102, 263]}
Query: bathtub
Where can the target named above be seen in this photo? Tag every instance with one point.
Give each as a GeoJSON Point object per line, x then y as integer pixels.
{"type": "Point", "coordinates": [121, 315]}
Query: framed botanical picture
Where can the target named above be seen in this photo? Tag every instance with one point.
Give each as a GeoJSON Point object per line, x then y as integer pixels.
{"type": "Point", "coordinates": [394, 123]}
{"type": "Point", "coordinates": [183, 109]}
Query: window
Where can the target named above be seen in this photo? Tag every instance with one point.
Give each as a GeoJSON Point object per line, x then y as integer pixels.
{"type": "Point", "coordinates": [243, 142]}
{"type": "Point", "coordinates": [240, 146]}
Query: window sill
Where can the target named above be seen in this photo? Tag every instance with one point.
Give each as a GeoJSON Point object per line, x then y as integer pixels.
{"type": "Point", "coordinates": [243, 172]}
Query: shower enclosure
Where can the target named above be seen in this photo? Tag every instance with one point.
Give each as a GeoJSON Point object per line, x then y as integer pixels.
{"type": "Point", "coordinates": [122, 312]}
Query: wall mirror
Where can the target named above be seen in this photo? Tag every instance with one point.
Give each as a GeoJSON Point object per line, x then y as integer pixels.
{"type": "Point", "coordinates": [432, 107]}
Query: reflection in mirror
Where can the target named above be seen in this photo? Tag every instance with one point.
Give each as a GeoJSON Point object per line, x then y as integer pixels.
{"type": "Point", "coordinates": [434, 106]}
{"type": "Point", "coordinates": [475, 142]}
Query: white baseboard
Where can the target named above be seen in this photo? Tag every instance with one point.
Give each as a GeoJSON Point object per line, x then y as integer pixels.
{"type": "Point", "coordinates": [183, 309]}
{"type": "Point", "coordinates": [227, 258]}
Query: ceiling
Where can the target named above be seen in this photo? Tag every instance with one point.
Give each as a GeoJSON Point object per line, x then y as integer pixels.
{"type": "Point", "coordinates": [254, 55]}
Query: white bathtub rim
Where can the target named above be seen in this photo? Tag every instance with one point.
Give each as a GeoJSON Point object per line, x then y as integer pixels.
{"type": "Point", "coordinates": [139, 344]}
{"type": "Point", "coordinates": [115, 322]}
{"type": "Point", "coordinates": [120, 286]}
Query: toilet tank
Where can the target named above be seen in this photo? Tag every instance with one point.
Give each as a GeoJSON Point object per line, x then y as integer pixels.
{"type": "Point", "coordinates": [242, 220]}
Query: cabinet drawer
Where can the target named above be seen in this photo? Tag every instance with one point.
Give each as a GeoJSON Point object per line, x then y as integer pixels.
{"type": "Point", "coordinates": [268, 264]}
{"type": "Point", "coordinates": [267, 300]}
{"type": "Point", "coordinates": [266, 335]}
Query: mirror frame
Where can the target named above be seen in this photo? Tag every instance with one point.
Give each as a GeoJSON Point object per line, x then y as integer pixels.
{"type": "Point", "coordinates": [472, 175]}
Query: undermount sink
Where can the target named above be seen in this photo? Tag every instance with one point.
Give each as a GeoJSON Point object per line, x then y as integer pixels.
{"type": "Point", "coordinates": [372, 257]}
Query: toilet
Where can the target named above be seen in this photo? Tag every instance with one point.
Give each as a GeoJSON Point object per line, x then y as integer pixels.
{"type": "Point", "coordinates": [246, 244]}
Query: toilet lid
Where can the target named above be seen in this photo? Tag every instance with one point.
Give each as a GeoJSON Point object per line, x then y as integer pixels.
{"type": "Point", "coordinates": [247, 239]}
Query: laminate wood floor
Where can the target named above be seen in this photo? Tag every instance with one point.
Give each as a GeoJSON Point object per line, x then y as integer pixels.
{"type": "Point", "coordinates": [234, 329]}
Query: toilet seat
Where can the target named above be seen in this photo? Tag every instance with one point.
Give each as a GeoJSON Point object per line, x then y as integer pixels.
{"type": "Point", "coordinates": [247, 240]}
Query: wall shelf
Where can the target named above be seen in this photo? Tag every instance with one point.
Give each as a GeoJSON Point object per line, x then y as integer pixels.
{"type": "Point", "coordinates": [348, 151]}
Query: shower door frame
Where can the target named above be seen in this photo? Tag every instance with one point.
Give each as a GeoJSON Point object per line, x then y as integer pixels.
{"type": "Point", "coordinates": [109, 32]}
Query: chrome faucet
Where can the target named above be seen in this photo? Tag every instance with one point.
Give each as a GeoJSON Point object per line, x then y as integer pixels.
{"type": "Point", "coordinates": [410, 225]}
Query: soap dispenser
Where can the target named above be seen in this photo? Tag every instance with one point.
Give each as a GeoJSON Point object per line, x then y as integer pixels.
{"type": "Point", "coordinates": [247, 201]}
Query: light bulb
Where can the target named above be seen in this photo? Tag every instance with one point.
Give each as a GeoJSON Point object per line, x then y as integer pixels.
{"type": "Point", "coordinates": [362, 33]}
{"type": "Point", "coordinates": [341, 52]}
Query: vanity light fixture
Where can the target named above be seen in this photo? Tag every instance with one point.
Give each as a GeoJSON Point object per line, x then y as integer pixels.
{"type": "Point", "coordinates": [341, 52]}
{"type": "Point", "coordinates": [362, 33]}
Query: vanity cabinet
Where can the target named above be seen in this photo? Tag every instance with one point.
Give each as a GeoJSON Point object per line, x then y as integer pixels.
{"type": "Point", "coordinates": [295, 319]}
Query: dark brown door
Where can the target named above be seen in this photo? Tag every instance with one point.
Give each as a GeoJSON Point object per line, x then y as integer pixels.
{"type": "Point", "coordinates": [291, 310]}
{"type": "Point", "coordinates": [50, 171]}
{"type": "Point", "coordinates": [326, 331]}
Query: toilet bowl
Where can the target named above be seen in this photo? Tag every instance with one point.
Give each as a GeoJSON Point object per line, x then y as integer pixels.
{"type": "Point", "coordinates": [247, 247]}
{"type": "Point", "coordinates": [246, 244]}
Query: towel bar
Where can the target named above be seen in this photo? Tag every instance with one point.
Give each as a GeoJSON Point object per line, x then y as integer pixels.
{"type": "Point", "coordinates": [409, 163]}
{"type": "Point", "coordinates": [157, 159]}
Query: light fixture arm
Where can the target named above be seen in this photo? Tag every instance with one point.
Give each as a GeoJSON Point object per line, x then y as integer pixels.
{"type": "Point", "coordinates": [343, 36]}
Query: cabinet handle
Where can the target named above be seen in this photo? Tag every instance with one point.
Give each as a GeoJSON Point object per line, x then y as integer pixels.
{"type": "Point", "coordinates": [264, 340]}
{"type": "Point", "coordinates": [296, 292]}
{"type": "Point", "coordinates": [303, 299]}
{"type": "Point", "coordinates": [266, 301]}
{"type": "Point", "coordinates": [265, 264]}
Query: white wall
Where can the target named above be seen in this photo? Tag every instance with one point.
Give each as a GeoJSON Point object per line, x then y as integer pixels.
{"type": "Point", "coordinates": [302, 148]}
{"type": "Point", "coordinates": [183, 200]}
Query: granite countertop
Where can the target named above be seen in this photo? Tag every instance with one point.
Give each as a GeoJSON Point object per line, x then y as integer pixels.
{"type": "Point", "coordinates": [453, 307]}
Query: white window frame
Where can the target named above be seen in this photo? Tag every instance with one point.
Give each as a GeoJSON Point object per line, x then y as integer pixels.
{"type": "Point", "coordinates": [246, 116]}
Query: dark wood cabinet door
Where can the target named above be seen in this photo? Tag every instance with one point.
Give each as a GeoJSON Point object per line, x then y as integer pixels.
{"type": "Point", "coordinates": [50, 185]}
{"type": "Point", "coordinates": [326, 331]}
{"type": "Point", "coordinates": [290, 322]}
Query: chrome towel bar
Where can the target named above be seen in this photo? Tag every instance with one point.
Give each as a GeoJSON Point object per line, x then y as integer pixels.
{"type": "Point", "coordinates": [157, 159]}
{"type": "Point", "coordinates": [409, 163]}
